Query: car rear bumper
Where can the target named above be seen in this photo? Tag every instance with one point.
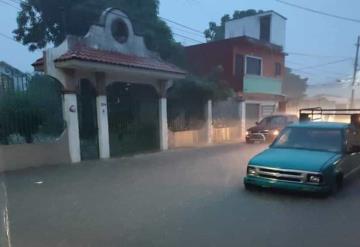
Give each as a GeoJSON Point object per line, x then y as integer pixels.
{"type": "Point", "coordinates": [259, 137]}
{"type": "Point", "coordinates": [269, 183]}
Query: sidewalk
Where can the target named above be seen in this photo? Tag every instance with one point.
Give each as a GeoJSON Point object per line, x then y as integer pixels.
{"type": "Point", "coordinates": [4, 223]}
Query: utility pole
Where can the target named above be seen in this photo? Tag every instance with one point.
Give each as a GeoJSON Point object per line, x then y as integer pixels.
{"type": "Point", "coordinates": [355, 73]}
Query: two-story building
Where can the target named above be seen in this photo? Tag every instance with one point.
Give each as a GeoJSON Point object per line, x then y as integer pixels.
{"type": "Point", "coordinates": [251, 61]}
{"type": "Point", "coordinates": [11, 78]}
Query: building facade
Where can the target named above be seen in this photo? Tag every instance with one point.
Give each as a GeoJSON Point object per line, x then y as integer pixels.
{"type": "Point", "coordinates": [11, 78]}
{"type": "Point", "coordinates": [251, 60]}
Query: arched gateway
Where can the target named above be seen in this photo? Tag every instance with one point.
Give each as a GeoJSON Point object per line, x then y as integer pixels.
{"type": "Point", "coordinates": [89, 66]}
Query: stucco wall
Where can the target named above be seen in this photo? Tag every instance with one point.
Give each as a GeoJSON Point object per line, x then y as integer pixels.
{"type": "Point", "coordinates": [16, 157]}
{"type": "Point", "coordinates": [188, 138]}
{"type": "Point", "coordinates": [204, 58]}
{"type": "Point", "coordinates": [250, 26]}
{"type": "Point", "coordinates": [223, 135]}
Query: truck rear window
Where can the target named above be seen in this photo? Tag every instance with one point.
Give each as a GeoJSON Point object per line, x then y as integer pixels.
{"type": "Point", "coordinates": [310, 138]}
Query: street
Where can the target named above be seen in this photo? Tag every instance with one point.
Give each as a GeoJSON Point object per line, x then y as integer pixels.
{"type": "Point", "coordinates": [187, 197]}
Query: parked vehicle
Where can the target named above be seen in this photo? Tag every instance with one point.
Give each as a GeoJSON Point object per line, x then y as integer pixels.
{"type": "Point", "coordinates": [269, 128]}
{"type": "Point", "coordinates": [308, 156]}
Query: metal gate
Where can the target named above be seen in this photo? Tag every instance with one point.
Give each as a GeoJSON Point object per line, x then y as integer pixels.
{"type": "Point", "coordinates": [30, 109]}
{"type": "Point", "coordinates": [133, 118]}
{"type": "Point", "coordinates": [88, 128]}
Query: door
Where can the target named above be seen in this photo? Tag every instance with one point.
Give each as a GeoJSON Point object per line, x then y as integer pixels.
{"type": "Point", "coordinates": [88, 128]}
{"type": "Point", "coordinates": [252, 114]}
{"type": "Point", "coordinates": [351, 163]}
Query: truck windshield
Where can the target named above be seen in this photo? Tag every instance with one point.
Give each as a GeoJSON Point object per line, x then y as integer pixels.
{"type": "Point", "coordinates": [310, 138]}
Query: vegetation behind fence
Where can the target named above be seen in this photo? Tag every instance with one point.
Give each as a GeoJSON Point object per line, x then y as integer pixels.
{"type": "Point", "coordinates": [30, 109]}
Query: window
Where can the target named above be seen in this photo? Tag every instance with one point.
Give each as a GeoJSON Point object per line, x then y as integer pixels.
{"type": "Point", "coordinates": [278, 122]}
{"type": "Point", "coordinates": [253, 66]}
{"type": "Point", "coordinates": [120, 31]}
{"type": "Point", "coordinates": [265, 22]}
{"type": "Point", "coordinates": [277, 69]}
{"type": "Point", "coordinates": [329, 140]}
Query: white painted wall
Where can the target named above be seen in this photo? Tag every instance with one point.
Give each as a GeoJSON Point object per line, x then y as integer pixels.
{"type": "Point", "coordinates": [103, 126]}
{"type": "Point", "coordinates": [250, 27]}
{"type": "Point", "coordinates": [163, 124]}
{"type": "Point", "coordinates": [242, 115]}
{"type": "Point", "coordinates": [70, 110]}
{"type": "Point", "coordinates": [278, 30]}
{"type": "Point", "coordinates": [247, 26]}
{"type": "Point", "coordinates": [209, 122]}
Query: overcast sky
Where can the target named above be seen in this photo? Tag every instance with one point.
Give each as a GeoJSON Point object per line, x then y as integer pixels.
{"type": "Point", "coordinates": [322, 39]}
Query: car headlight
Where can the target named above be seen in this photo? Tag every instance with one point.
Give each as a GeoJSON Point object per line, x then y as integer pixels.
{"type": "Point", "coordinates": [251, 170]}
{"type": "Point", "coordinates": [276, 132]}
{"type": "Point", "coordinates": [314, 178]}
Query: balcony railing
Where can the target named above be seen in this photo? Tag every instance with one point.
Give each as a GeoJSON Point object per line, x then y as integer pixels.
{"type": "Point", "coordinates": [260, 84]}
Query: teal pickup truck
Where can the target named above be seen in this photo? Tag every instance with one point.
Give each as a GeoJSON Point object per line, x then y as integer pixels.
{"type": "Point", "coordinates": [308, 156]}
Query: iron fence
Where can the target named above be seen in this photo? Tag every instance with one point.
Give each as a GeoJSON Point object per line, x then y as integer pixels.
{"type": "Point", "coordinates": [30, 109]}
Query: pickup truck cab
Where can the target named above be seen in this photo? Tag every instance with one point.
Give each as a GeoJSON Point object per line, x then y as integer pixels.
{"type": "Point", "coordinates": [269, 128]}
{"type": "Point", "coordinates": [310, 156]}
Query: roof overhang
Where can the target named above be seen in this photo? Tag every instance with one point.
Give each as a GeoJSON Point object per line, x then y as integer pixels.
{"type": "Point", "coordinates": [123, 73]}
{"type": "Point", "coordinates": [264, 97]}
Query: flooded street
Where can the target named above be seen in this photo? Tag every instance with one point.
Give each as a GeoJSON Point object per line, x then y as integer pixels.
{"type": "Point", "coordinates": [190, 197]}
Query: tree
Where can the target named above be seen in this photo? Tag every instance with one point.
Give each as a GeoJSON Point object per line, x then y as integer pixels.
{"type": "Point", "coordinates": [217, 32]}
{"type": "Point", "coordinates": [294, 87]}
{"type": "Point", "coordinates": [42, 22]}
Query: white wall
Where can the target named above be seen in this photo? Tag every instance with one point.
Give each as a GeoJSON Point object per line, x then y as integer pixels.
{"type": "Point", "coordinates": [250, 26]}
{"type": "Point", "coordinates": [247, 26]}
{"type": "Point", "coordinates": [278, 30]}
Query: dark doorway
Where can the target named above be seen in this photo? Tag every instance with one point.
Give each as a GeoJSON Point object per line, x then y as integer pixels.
{"type": "Point", "coordinates": [252, 114]}
{"type": "Point", "coordinates": [88, 121]}
{"type": "Point", "coordinates": [133, 118]}
{"type": "Point", "coordinates": [265, 23]}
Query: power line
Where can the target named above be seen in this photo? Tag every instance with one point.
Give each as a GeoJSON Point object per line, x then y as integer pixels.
{"type": "Point", "coordinates": [325, 71]}
{"type": "Point", "coordinates": [8, 37]}
{"type": "Point", "coordinates": [134, 20]}
{"type": "Point", "coordinates": [314, 55]}
{"type": "Point", "coordinates": [181, 25]}
{"type": "Point", "coordinates": [325, 64]}
{"type": "Point", "coordinates": [163, 18]}
{"type": "Point", "coordinates": [187, 32]}
{"type": "Point", "coordinates": [319, 12]}
{"type": "Point", "coordinates": [8, 4]}
{"type": "Point", "coordinates": [183, 36]}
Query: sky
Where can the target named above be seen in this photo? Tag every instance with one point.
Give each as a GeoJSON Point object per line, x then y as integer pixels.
{"type": "Point", "coordinates": [319, 39]}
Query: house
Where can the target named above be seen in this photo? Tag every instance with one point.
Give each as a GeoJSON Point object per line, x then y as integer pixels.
{"type": "Point", "coordinates": [11, 78]}
{"type": "Point", "coordinates": [251, 60]}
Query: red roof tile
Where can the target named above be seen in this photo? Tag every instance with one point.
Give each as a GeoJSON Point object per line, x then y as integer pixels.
{"type": "Point", "coordinates": [38, 62]}
{"type": "Point", "coordinates": [93, 55]}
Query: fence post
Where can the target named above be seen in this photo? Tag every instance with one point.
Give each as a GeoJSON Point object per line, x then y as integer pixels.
{"type": "Point", "coordinates": [102, 116]}
{"type": "Point", "coordinates": [242, 118]}
{"type": "Point", "coordinates": [208, 122]}
{"type": "Point", "coordinates": [72, 123]}
{"type": "Point", "coordinates": [163, 124]}
{"type": "Point", "coordinates": [103, 126]}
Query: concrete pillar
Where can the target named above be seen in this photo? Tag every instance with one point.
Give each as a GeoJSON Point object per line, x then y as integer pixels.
{"type": "Point", "coordinates": [242, 118]}
{"type": "Point", "coordinates": [103, 126]}
{"type": "Point", "coordinates": [70, 109]}
{"type": "Point", "coordinates": [163, 124]}
{"type": "Point", "coordinates": [208, 122]}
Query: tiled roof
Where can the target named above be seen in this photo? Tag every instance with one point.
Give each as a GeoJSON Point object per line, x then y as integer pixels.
{"type": "Point", "coordinates": [38, 62]}
{"type": "Point", "coordinates": [115, 58]}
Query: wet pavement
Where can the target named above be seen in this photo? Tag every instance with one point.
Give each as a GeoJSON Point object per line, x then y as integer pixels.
{"type": "Point", "coordinates": [192, 197]}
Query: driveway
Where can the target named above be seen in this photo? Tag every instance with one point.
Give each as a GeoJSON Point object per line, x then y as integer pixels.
{"type": "Point", "coordinates": [189, 197]}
